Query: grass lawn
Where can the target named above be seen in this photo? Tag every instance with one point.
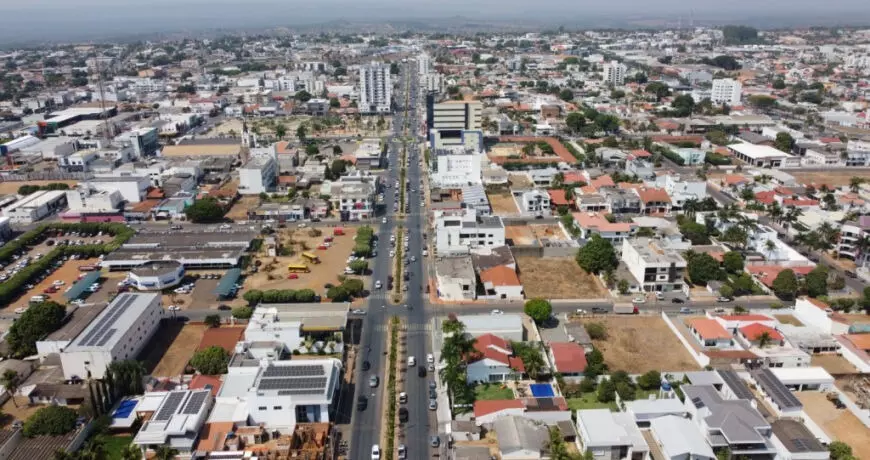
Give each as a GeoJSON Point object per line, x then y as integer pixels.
{"type": "Point", "coordinates": [115, 445]}
{"type": "Point", "coordinates": [492, 391]}
{"type": "Point", "coordinates": [589, 401]}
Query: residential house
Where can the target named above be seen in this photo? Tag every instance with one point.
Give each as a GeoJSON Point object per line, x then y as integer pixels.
{"type": "Point", "coordinates": [710, 334]}
{"type": "Point", "coordinates": [654, 200]}
{"type": "Point", "coordinates": [752, 335]}
{"type": "Point", "coordinates": [456, 233]}
{"type": "Point", "coordinates": [535, 202]}
{"type": "Point", "coordinates": [852, 238]}
{"type": "Point", "coordinates": [654, 267]}
{"type": "Point", "coordinates": [493, 361]}
{"type": "Point", "coordinates": [679, 439]}
{"type": "Point", "coordinates": [590, 223]}
{"type": "Point", "coordinates": [507, 326]}
{"type": "Point", "coordinates": [623, 201]}
{"type": "Point", "coordinates": [520, 438]}
{"type": "Point", "coordinates": [455, 278]}
{"type": "Point", "coordinates": [501, 282]}
{"type": "Point", "coordinates": [643, 169]}
{"type": "Point", "coordinates": [568, 358]}
{"type": "Point", "coordinates": [612, 435]}
{"type": "Point", "coordinates": [488, 411]}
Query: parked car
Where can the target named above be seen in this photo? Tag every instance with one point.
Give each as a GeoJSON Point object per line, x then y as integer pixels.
{"type": "Point", "coordinates": [403, 415]}
{"type": "Point", "coordinates": [366, 366]}
{"type": "Point", "coordinates": [433, 404]}
{"type": "Point", "coordinates": [373, 381]}
{"type": "Point", "coordinates": [723, 299]}
{"type": "Point", "coordinates": [376, 452]}
{"type": "Point", "coordinates": [361, 403]}
{"type": "Point", "coordinates": [677, 300]}
{"type": "Point", "coordinates": [434, 441]}
{"type": "Point", "coordinates": [412, 361]}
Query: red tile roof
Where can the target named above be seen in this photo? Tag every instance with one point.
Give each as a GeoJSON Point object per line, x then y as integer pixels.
{"type": "Point", "coordinates": [212, 382]}
{"type": "Point", "coordinates": [500, 275]}
{"type": "Point", "coordinates": [650, 195]}
{"type": "Point", "coordinates": [753, 332]}
{"type": "Point", "coordinates": [573, 177]}
{"type": "Point", "coordinates": [746, 318]}
{"type": "Point", "coordinates": [482, 408]}
{"type": "Point", "coordinates": [767, 273]}
{"type": "Point", "coordinates": [489, 346]}
{"type": "Point", "coordinates": [568, 357]}
{"type": "Point", "coordinates": [765, 197]}
{"type": "Point", "coordinates": [557, 197]}
{"type": "Point", "coordinates": [709, 329]}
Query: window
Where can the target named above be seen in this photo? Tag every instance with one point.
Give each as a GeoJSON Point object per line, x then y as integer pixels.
{"type": "Point", "coordinates": [276, 408]}
{"type": "Point", "coordinates": [262, 408]}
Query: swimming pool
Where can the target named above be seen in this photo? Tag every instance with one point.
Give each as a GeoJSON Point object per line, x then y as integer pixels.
{"type": "Point", "coordinates": [542, 390]}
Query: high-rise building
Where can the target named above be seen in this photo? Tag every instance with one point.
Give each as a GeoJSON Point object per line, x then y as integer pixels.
{"type": "Point", "coordinates": [614, 73]}
{"type": "Point", "coordinates": [726, 91]}
{"type": "Point", "coordinates": [424, 64]}
{"type": "Point", "coordinates": [455, 123]}
{"type": "Point", "coordinates": [375, 88]}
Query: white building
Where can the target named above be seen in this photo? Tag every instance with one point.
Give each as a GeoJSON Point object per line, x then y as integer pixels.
{"type": "Point", "coordinates": [820, 315]}
{"type": "Point", "coordinates": [156, 275]}
{"type": "Point", "coordinates": [267, 324]}
{"type": "Point", "coordinates": [680, 439]}
{"type": "Point", "coordinates": [456, 167]}
{"type": "Point", "coordinates": [762, 156]}
{"type": "Point", "coordinates": [353, 196]}
{"type": "Point", "coordinates": [455, 278]}
{"type": "Point", "coordinates": [133, 188]}
{"type": "Point", "coordinates": [424, 64]}
{"type": "Point", "coordinates": [507, 326]}
{"type": "Point", "coordinates": [654, 267]}
{"type": "Point", "coordinates": [804, 378]}
{"type": "Point", "coordinates": [614, 73]}
{"type": "Point", "coordinates": [432, 82]}
{"type": "Point", "coordinates": [682, 190]}
{"type": "Point", "coordinates": [87, 198]}
{"type": "Point", "coordinates": [726, 91]}
{"type": "Point", "coordinates": [118, 333]}
{"type": "Point", "coordinates": [457, 233]}
{"type": "Point", "coordinates": [375, 88]}
{"type": "Point", "coordinates": [258, 175]}
{"type": "Point", "coordinates": [36, 206]}
{"type": "Point", "coordinates": [535, 202]}
{"type": "Point", "coordinates": [612, 435]}
{"type": "Point", "coordinates": [176, 422]}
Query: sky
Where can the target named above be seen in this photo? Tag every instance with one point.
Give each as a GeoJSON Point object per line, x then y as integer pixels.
{"type": "Point", "coordinates": [83, 19]}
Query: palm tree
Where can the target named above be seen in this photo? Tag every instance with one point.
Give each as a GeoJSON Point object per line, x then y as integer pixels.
{"type": "Point", "coordinates": [165, 453]}
{"type": "Point", "coordinates": [131, 452]}
{"type": "Point", "coordinates": [690, 207]}
{"type": "Point", "coordinates": [770, 247]}
{"type": "Point", "coordinates": [827, 232]}
{"type": "Point", "coordinates": [764, 339]}
{"type": "Point", "coordinates": [791, 216]}
{"type": "Point", "coordinates": [10, 381]}
{"type": "Point", "coordinates": [855, 184]}
{"type": "Point", "coordinates": [774, 211]}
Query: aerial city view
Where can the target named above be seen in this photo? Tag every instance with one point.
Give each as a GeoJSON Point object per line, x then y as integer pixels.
{"type": "Point", "coordinates": [549, 235]}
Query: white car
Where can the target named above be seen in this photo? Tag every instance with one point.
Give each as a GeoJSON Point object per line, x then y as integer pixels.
{"type": "Point", "coordinates": [430, 358]}
{"type": "Point", "coordinates": [173, 308]}
{"type": "Point", "coordinates": [425, 253]}
{"type": "Point", "coordinates": [376, 452]}
{"type": "Point", "coordinates": [496, 312]}
{"type": "Point", "coordinates": [384, 220]}
{"type": "Point", "coordinates": [639, 300]}
{"type": "Point", "coordinates": [378, 284]}
{"type": "Point", "coordinates": [660, 296]}
{"type": "Point", "coordinates": [412, 361]}
{"type": "Point", "coordinates": [20, 310]}
{"type": "Point", "coordinates": [58, 283]}
{"type": "Point", "coordinates": [358, 312]}
{"type": "Point", "coordinates": [392, 253]}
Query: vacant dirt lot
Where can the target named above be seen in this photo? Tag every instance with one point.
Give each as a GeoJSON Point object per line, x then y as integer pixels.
{"type": "Point", "coordinates": [519, 234]}
{"type": "Point", "coordinates": [833, 364]}
{"type": "Point", "coordinates": [839, 424]}
{"type": "Point", "coordinates": [557, 278]}
{"type": "Point", "coordinates": [520, 180]}
{"type": "Point", "coordinates": [831, 178]}
{"type": "Point", "coordinates": [172, 347]}
{"type": "Point", "coordinates": [637, 344]}
{"type": "Point", "coordinates": [503, 204]}
{"type": "Point", "coordinates": [11, 188]}
{"type": "Point", "coordinates": [239, 210]}
{"type": "Point", "coordinates": [549, 232]}
{"type": "Point", "coordinates": [273, 270]}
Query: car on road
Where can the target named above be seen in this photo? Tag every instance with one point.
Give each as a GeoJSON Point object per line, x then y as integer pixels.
{"type": "Point", "coordinates": [403, 415]}
{"type": "Point", "coordinates": [496, 312]}
{"type": "Point", "coordinates": [434, 441]}
{"type": "Point", "coordinates": [402, 452]}
{"type": "Point", "coordinates": [384, 220]}
{"type": "Point", "coordinates": [723, 299]}
{"type": "Point", "coordinates": [686, 311]}
{"type": "Point", "coordinates": [599, 310]}
{"type": "Point", "coordinates": [421, 372]}
{"type": "Point", "coordinates": [431, 367]}
{"type": "Point", "coordinates": [378, 284]}
{"type": "Point", "coordinates": [430, 358]}
{"type": "Point", "coordinates": [580, 311]}
{"type": "Point", "coordinates": [433, 404]}
{"type": "Point", "coordinates": [719, 310]}
{"type": "Point", "coordinates": [373, 381]}
{"type": "Point", "coordinates": [851, 274]}
{"type": "Point", "coordinates": [357, 311]}
{"type": "Point", "coordinates": [660, 296]}
{"type": "Point", "coordinates": [376, 452]}
{"type": "Point", "coordinates": [361, 403]}
{"type": "Point", "coordinates": [403, 398]}
{"type": "Point", "coordinates": [639, 299]}
{"type": "Point", "coordinates": [413, 258]}
{"type": "Point", "coordinates": [677, 300]}
{"type": "Point", "coordinates": [412, 361]}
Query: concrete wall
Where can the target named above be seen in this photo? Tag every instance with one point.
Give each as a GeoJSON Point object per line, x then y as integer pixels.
{"type": "Point", "coordinates": [702, 359]}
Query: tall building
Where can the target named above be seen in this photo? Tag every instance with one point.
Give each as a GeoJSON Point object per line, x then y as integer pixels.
{"type": "Point", "coordinates": [375, 88]}
{"type": "Point", "coordinates": [726, 91]}
{"type": "Point", "coordinates": [424, 64]}
{"type": "Point", "coordinates": [455, 123]}
{"type": "Point", "coordinates": [614, 73]}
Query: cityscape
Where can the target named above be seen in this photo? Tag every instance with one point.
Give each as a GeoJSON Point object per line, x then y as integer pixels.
{"type": "Point", "coordinates": [458, 240]}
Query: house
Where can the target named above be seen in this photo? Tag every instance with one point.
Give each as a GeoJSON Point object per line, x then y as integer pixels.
{"type": "Point", "coordinates": [612, 435]}
{"type": "Point", "coordinates": [457, 233]}
{"type": "Point", "coordinates": [646, 410]}
{"type": "Point", "coordinates": [487, 411]}
{"type": "Point", "coordinates": [520, 438]}
{"type": "Point", "coordinates": [56, 394]}
{"type": "Point", "coordinates": [176, 422]}
{"type": "Point", "coordinates": [776, 394]}
{"type": "Point", "coordinates": [734, 322]}
{"type": "Point", "coordinates": [820, 315]}
{"type": "Point", "coordinates": [464, 430]}
{"type": "Point", "coordinates": [507, 326]}
{"type": "Point", "coordinates": [501, 282]}
{"type": "Point", "coordinates": [794, 441]}
{"type": "Point", "coordinates": [535, 202]}
{"type": "Point", "coordinates": [592, 223]}
{"type": "Point", "coordinates": [568, 358]}
{"type": "Point", "coordinates": [710, 334]}
{"type": "Point", "coordinates": [493, 361]}
{"type": "Point", "coordinates": [753, 334]}
{"type": "Point", "coordinates": [653, 266]}
{"type": "Point", "coordinates": [455, 278]}
{"type": "Point", "coordinates": [729, 423]}
{"type": "Point", "coordinates": [680, 439]}
{"type": "Point", "coordinates": [654, 200]}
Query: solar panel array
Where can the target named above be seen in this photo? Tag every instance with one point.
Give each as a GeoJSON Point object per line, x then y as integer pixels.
{"type": "Point", "coordinates": [736, 384]}
{"type": "Point", "coordinates": [294, 371]}
{"type": "Point", "coordinates": [194, 404]}
{"type": "Point", "coordinates": [697, 402]}
{"type": "Point", "coordinates": [294, 380]}
{"type": "Point", "coordinates": [103, 331]}
{"type": "Point", "coordinates": [170, 406]}
{"type": "Point", "coordinates": [777, 391]}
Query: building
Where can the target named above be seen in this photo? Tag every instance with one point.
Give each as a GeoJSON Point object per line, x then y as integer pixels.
{"type": "Point", "coordinates": [289, 324]}
{"type": "Point", "coordinates": [568, 358]}
{"type": "Point", "coordinates": [710, 334]}
{"type": "Point", "coordinates": [176, 422]}
{"type": "Point", "coordinates": [36, 206]}
{"type": "Point", "coordinates": [654, 267]}
{"type": "Point", "coordinates": [455, 278]}
{"type": "Point", "coordinates": [353, 196]}
{"type": "Point", "coordinates": [455, 123]}
{"type": "Point", "coordinates": [118, 333]}
{"type": "Point", "coordinates": [762, 156]}
{"type": "Point", "coordinates": [804, 378]}
{"type": "Point", "coordinates": [520, 438]}
{"type": "Point", "coordinates": [369, 154]}
{"type": "Point", "coordinates": [455, 167]}
{"type": "Point", "coordinates": [501, 282]}
{"type": "Point", "coordinates": [193, 248]}
{"type": "Point", "coordinates": [592, 223]}
{"type": "Point", "coordinates": [820, 315]}
{"type": "Point", "coordinates": [726, 91]}
{"type": "Point", "coordinates": [534, 202]}
{"type": "Point", "coordinates": [794, 441]}
{"type": "Point", "coordinates": [612, 435]}
{"type": "Point", "coordinates": [777, 395]}
{"type": "Point", "coordinates": [614, 73]}
{"type": "Point", "coordinates": [850, 234]}
{"type": "Point", "coordinates": [258, 175]}
{"type": "Point", "coordinates": [75, 322]}
{"type": "Point", "coordinates": [375, 88]}
{"type": "Point", "coordinates": [458, 233]}
{"type": "Point", "coordinates": [493, 361]}
{"type": "Point", "coordinates": [133, 188]}
{"type": "Point", "coordinates": [156, 275]}
{"type": "Point", "coordinates": [679, 439]}
{"type": "Point", "coordinates": [691, 156]}
{"type": "Point", "coordinates": [89, 199]}
{"type": "Point", "coordinates": [507, 326]}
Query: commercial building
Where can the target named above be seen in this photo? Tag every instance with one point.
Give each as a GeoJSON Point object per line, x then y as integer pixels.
{"type": "Point", "coordinates": [258, 175]}
{"type": "Point", "coordinates": [726, 91]}
{"type": "Point", "coordinates": [614, 73]}
{"type": "Point", "coordinates": [118, 333]}
{"type": "Point", "coordinates": [36, 206]}
{"type": "Point", "coordinates": [353, 196]}
{"type": "Point", "coordinates": [654, 267]}
{"type": "Point", "coordinates": [375, 88]}
{"type": "Point", "coordinates": [76, 321]}
{"type": "Point", "coordinates": [455, 278]}
{"type": "Point", "coordinates": [457, 233]}
{"type": "Point", "coordinates": [86, 198]}
{"type": "Point", "coordinates": [455, 167]}
{"type": "Point", "coordinates": [289, 324]}
{"type": "Point", "coordinates": [156, 275]}
{"type": "Point", "coordinates": [762, 156]}
{"type": "Point", "coordinates": [193, 248]}
{"type": "Point", "coordinates": [455, 123]}
{"type": "Point", "coordinates": [369, 154]}
{"type": "Point", "coordinates": [133, 188]}
{"type": "Point", "coordinates": [176, 422]}
{"type": "Point", "coordinates": [507, 326]}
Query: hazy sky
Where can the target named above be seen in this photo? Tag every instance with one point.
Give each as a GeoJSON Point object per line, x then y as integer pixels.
{"type": "Point", "coordinates": [79, 19]}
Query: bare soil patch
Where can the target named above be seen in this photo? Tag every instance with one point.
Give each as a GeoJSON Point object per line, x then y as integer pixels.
{"type": "Point", "coordinates": [557, 278]}
{"type": "Point", "coordinates": [172, 347]}
{"type": "Point", "coordinates": [839, 424]}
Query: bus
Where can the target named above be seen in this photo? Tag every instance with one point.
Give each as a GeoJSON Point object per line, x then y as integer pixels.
{"type": "Point", "coordinates": [311, 257]}
{"type": "Point", "coordinates": [298, 268]}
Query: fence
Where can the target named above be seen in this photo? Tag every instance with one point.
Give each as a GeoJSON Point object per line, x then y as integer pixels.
{"type": "Point", "coordinates": [699, 357]}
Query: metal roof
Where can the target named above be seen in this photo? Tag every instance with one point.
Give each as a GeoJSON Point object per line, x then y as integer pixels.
{"type": "Point", "coordinates": [778, 392]}
{"type": "Point", "coordinates": [227, 283]}
{"type": "Point", "coordinates": [81, 285]}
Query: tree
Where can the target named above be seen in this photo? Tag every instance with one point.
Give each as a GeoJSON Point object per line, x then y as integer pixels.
{"type": "Point", "coordinates": [359, 266]}
{"type": "Point", "coordinates": [855, 183]}
{"type": "Point", "coordinates": [334, 103]}
{"type": "Point", "coordinates": [764, 339]}
{"type": "Point", "coordinates": [243, 312]}
{"type": "Point", "coordinates": [702, 268]}
{"type": "Point", "coordinates": [125, 378]}
{"type": "Point", "coordinates": [595, 365]}
{"type": "Point", "coordinates": [566, 94]}
{"type": "Point", "coordinates": [212, 320]}
{"type": "Point", "coordinates": [336, 150]}
{"type": "Point", "coordinates": [51, 421]}
{"type": "Point", "coordinates": [539, 310]}
{"type": "Point", "coordinates": [695, 232]}
{"type": "Point", "coordinates": [38, 321]}
{"type": "Point", "coordinates": [840, 450]}
{"type": "Point", "coordinates": [784, 142]}
{"type": "Point", "coordinates": [684, 104]}
{"type": "Point", "coordinates": [622, 286]}
{"type": "Point", "coordinates": [659, 89]}
{"type": "Point", "coordinates": [785, 285]}
{"type": "Point", "coordinates": [312, 150]}
{"type": "Point", "coordinates": [302, 96]}
{"type": "Point", "coordinates": [253, 297]}
{"type": "Point", "coordinates": [575, 121]}
{"type": "Point", "coordinates": [205, 211]}
{"type": "Point", "coordinates": [733, 262]}
{"type": "Point", "coordinates": [211, 361]}
{"type": "Point", "coordinates": [596, 331]}
{"type": "Point", "coordinates": [650, 381]}
{"type": "Point", "coordinates": [131, 452]}
{"type": "Point", "coordinates": [165, 452]}
{"type": "Point", "coordinates": [735, 235]}
{"type": "Point", "coordinates": [597, 256]}
{"type": "Point", "coordinates": [726, 291]}
{"type": "Point", "coordinates": [302, 132]}
{"type": "Point", "coordinates": [280, 131]}
{"type": "Point", "coordinates": [762, 102]}
{"type": "Point", "coordinates": [779, 83]}
{"type": "Point", "coordinates": [817, 282]}
{"type": "Point", "coordinates": [10, 381]}
{"type": "Point", "coordinates": [533, 362]}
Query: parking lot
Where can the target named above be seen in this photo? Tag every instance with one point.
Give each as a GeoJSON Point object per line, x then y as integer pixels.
{"type": "Point", "coordinates": [202, 295]}
{"type": "Point", "coordinates": [68, 273]}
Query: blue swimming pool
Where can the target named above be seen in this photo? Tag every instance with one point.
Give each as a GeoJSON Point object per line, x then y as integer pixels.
{"type": "Point", "coordinates": [542, 390]}
{"type": "Point", "coordinates": [125, 408]}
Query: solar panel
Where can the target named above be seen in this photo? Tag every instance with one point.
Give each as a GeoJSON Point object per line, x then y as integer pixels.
{"type": "Point", "coordinates": [304, 383]}
{"type": "Point", "coordinates": [194, 404]}
{"type": "Point", "coordinates": [778, 392]}
{"type": "Point", "coordinates": [697, 402]}
{"type": "Point", "coordinates": [170, 406]}
{"type": "Point", "coordinates": [294, 371]}
{"type": "Point", "coordinates": [107, 336]}
{"type": "Point", "coordinates": [95, 336]}
{"type": "Point", "coordinates": [736, 384]}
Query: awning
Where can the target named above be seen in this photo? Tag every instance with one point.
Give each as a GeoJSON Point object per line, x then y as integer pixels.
{"type": "Point", "coordinates": [82, 285]}
{"type": "Point", "coordinates": [227, 283]}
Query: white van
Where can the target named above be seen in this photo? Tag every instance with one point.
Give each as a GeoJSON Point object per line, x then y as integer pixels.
{"type": "Point", "coordinates": [38, 299]}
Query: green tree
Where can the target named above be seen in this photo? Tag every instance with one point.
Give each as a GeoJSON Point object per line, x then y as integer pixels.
{"type": "Point", "coordinates": [733, 262]}
{"type": "Point", "coordinates": [784, 141]}
{"type": "Point", "coordinates": [302, 96]}
{"type": "Point", "coordinates": [735, 235]}
{"type": "Point", "coordinates": [125, 378]}
{"type": "Point", "coordinates": [302, 132]}
{"type": "Point", "coordinates": [280, 131]}
{"type": "Point", "coordinates": [165, 452]}
{"type": "Point", "coordinates": [595, 364]}
{"type": "Point", "coordinates": [205, 211]}
{"type": "Point", "coordinates": [817, 282]}
{"type": "Point", "coordinates": [334, 103]}
{"type": "Point", "coordinates": [597, 256]}
{"type": "Point", "coordinates": [659, 89]}
{"type": "Point", "coordinates": [538, 309]}
{"type": "Point", "coordinates": [596, 331]}
{"type": "Point", "coordinates": [312, 149]}
{"type": "Point", "coordinates": [243, 312]}
{"type": "Point", "coordinates": [726, 291]}
{"type": "Point", "coordinates": [785, 285]}
{"type": "Point", "coordinates": [684, 104]}
{"type": "Point", "coordinates": [38, 321]}
{"type": "Point", "coordinates": [840, 450]}
{"type": "Point", "coordinates": [51, 421]}
{"type": "Point", "coordinates": [652, 380]}
{"type": "Point", "coordinates": [702, 268]}
{"type": "Point", "coordinates": [359, 266]}
{"type": "Point", "coordinates": [622, 286]}
{"type": "Point", "coordinates": [10, 381]}
{"type": "Point", "coordinates": [575, 121]}
{"type": "Point", "coordinates": [131, 452]}
{"type": "Point", "coordinates": [779, 83]}
{"type": "Point", "coordinates": [211, 361]}
{"type": "Point", "coordinates": [762, 102]}
{"type": "Point", "coordinates": [566, 94]}
{"type": "Point", "coordinates": [253, 297]}
{"type": "Point", "coordinates": [695, 232]}
{"type": "Point", "coordinates": [212, 320]}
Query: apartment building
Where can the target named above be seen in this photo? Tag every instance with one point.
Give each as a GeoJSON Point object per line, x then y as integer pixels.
{"type": "Point", "coordinates": [258, 175]}
{"type": "Point", "coordinates": [535, 202]}
{"type": "Point", "coordinates": [654, 267]}
{"type": "Point", "coordinates": [853, 236]}
{"type": "Point", "coordinates": [375, 88]}
{"type": "Point", "coordinates": [726, 91]}
{"type": "Point", "coordinates": [354, 196]}
{"type": "Point", "coordinates": [614, 73]}
{"type": "Point", "coordinates": [458, 232]}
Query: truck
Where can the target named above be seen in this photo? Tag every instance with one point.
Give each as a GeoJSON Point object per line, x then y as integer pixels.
{"type": "Point", "coordinates": [625, 309]}
{"type": "Point", "coordinates": [298, 268]}
{"type": "Point", "coordinates": [311, 257]}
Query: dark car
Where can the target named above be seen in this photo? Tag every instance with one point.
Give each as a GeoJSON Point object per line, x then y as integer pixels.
{"type": "Point", "coordinates": [677, 300]}
{"type": "Point", "coordinates": [599, 310]}
{"type": "Point", "coordinates": [361, 403]}
{"type": "Point", "coordinates": [851, 274]}
{"type": "Point", "coordinates": [403, 415]}
{"type": "Point", "coordinates": [366, 366]}
{"type": "Point", "coordinates": [434, 441]}
{"type": "Point", "coordinates": [421, 371]}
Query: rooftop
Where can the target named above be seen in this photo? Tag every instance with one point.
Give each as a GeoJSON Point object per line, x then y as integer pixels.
{"type": "Point", "coordinates": [796, 437]}
{"type": "Point", "coordinates": [736, 419]}
{"type": "Point", "coordinates": [77, 320]}
{"type": "Point", "coordinates": [112, 323]}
